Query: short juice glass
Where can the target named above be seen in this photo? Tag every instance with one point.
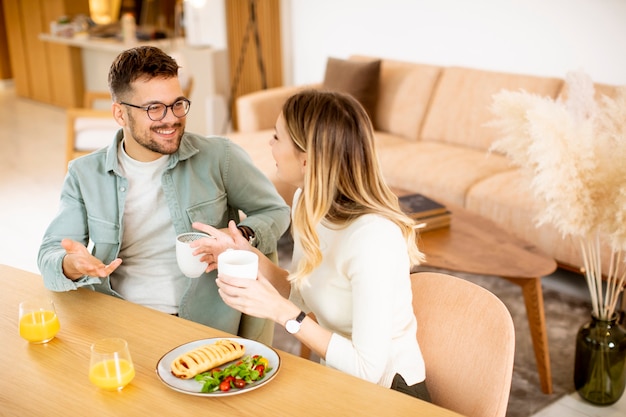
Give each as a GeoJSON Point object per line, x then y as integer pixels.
{"type": "Point", "coordinates": [111, 367]}
{"type": "Point", "coordinates": [38, 321]}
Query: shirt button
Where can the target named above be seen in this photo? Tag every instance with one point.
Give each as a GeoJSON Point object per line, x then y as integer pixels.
{"type": "Point", "coordinates": [122, 189]}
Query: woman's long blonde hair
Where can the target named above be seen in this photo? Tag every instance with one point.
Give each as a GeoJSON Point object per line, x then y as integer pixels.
{"type": "Point", "coordinates": [342, 180]}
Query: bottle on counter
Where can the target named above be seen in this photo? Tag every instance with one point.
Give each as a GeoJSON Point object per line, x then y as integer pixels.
{"type": "Point", "coordinates": [129, 28]}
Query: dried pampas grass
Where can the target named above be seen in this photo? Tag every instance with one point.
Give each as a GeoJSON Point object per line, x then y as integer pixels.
{"type": "Point", "coordinates": [575, 152]}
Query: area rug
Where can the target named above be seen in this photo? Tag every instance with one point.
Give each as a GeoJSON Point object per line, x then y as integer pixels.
{"type": "Point", "coordinates": [564, 314]}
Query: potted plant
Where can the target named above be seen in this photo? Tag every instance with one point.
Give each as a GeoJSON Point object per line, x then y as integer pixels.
{"type": "Point", "coordinates": [574, 150]}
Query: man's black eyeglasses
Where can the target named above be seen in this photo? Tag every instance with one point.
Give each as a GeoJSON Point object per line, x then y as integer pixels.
{"type": "Point", "coordinates": [157, 111]}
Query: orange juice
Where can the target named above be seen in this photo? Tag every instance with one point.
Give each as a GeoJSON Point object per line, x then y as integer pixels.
{"type": "Point", "coordinates": [112, 374]}
{"type": "Point", "coordinates": [39, 326]}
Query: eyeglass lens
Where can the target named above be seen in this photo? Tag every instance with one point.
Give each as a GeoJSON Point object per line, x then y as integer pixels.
{"type": "Point", "coordinates": [158, 111]}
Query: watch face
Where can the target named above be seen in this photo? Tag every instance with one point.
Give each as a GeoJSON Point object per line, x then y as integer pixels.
{"type": "Point", "coordinates": [292, 326]}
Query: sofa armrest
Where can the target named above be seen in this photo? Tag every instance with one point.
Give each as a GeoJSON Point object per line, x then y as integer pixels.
{"type": "Point", "coordinates": [259, 110]}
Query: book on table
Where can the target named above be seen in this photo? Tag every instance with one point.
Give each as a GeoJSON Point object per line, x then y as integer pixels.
{"type": "Point", "coordinates": [428, 213]}
{"type": "Point", "coordinates": [424, 224]}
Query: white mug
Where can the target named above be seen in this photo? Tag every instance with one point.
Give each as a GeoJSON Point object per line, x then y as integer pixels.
{"type": "Point", "coordinates": [190, 264]}
{"type": "Point", "coordinates": [238, 263]}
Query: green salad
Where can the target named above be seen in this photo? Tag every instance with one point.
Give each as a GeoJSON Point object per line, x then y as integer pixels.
{"type": "Point", "coordinates": [238, 375]}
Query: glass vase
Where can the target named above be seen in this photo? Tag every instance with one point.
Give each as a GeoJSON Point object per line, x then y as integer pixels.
{"type": "Point", "coordinates": [600, 361]}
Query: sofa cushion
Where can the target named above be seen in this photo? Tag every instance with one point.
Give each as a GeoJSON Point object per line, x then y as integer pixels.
{"type": "Point", "coordinates": [461, 104]}
{"type": "Point", "coordinates": [260, 109]}
{"type": "Point", "coordinates": [441, 171]}
{"type": "Point", "coordinates": [405, 91]}
{"type": "Point", "coordinates": [506, 199]}
{"type": "Point", "coordinates": [357, 78]}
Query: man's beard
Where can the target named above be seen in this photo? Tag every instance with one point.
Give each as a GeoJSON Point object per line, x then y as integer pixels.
{"type": "Point", "coordinates": [147, 142]}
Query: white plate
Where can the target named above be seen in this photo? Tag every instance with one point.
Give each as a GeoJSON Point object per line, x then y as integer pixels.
{"type": "Point", "coordinates": [193, 387]}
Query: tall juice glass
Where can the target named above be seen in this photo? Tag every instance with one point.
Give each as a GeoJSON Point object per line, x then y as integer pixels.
{"type": "Point", "coordinates": [38, 321]}
{"type": "Point", "coordinates": [111, 367]}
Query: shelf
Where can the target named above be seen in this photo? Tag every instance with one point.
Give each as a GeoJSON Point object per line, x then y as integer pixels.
{"type": "Point", "coordinates": [109, 44]}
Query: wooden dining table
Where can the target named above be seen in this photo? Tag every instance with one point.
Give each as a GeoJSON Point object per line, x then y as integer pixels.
{"type": "Point", "coordinates": [52, 379]}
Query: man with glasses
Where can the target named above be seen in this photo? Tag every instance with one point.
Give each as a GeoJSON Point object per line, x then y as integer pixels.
{"type": "Point", "coordinates": [123, 206]}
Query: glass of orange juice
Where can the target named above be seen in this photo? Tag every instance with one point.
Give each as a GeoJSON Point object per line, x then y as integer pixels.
{"type": "Point", "coordinates": [38, 321]}
{"type": "Point", "coordinates": [111, 367]}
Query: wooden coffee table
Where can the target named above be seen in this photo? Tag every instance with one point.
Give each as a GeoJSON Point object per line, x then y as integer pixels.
{"type": "Point", "coordinates": [476, 245]}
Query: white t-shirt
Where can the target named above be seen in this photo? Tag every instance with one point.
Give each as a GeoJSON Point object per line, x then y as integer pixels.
{"type": "Point", "coordinates": [362, 293]}
{"type": "Point", "coordinates": [149, 274]}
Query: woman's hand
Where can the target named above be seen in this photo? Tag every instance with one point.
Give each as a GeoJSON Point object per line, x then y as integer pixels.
{"type": "Point", "coordinates": [256, 298]}
{"type": "Point", "coordinates": [223, 239]}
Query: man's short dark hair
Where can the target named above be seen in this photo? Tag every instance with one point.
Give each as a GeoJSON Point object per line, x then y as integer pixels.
{"type": "Point", "coordinates": [145, 62]}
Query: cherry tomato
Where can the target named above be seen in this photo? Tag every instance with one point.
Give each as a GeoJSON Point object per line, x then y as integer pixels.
{"type": "Point", "coordinates": [260, 368]}
{"type": "Point", "coordinates": [239, 383]}
{"type": "Point", "coordinates": [224, 386]}
{"type": "Point", "coordinates": [262, 361]}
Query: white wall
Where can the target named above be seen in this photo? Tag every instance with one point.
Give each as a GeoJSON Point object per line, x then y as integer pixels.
{"type": "Point", "coordinates": [542, 37]}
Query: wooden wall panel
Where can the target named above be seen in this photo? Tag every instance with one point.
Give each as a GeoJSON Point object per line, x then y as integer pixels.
{"type": "Point", "coordinates": [17, 50]}
{"type": "Point", "coordinates": [249, 78]}
{"type": "Point", "coordinates": [5, 64]}
{"type": "Point", "coordinates": [45, 72]}
{"type": "Point", "coordinates": [36, 61]}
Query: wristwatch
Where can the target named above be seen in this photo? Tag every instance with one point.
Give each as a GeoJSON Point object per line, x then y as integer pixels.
{"type": "Point", "coordinates": [293, 325]}
{"type": "Point", "coordinates": [249, 234]}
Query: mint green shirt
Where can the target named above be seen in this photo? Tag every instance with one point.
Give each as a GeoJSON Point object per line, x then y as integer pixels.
{"type": "Point", "coordinates": [208, 180]}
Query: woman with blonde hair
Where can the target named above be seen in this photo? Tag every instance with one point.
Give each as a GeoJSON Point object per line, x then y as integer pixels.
{"type": "Point", "coordinates": [353, 248]}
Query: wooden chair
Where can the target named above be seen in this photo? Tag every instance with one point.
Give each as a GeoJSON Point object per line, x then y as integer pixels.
{"type": "Point", "coordinates": [89, 129]}
{"type": "Point", "coordinates": [467, 338]}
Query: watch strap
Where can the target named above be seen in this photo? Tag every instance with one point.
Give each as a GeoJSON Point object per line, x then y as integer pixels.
{"type": "Point", "coordinates": [300, 317]}
{"type": "Point", "coordinates": [248, 233]}
{"type": "Point", "coordinates": [293, 325]}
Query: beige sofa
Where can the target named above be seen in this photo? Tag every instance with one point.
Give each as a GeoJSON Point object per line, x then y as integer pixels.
{"type": "Point", "coordinates": [431, 137]}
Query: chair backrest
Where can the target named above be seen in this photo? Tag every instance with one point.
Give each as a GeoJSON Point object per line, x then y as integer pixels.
{"type": "Point", "coordinates": [467, 338]}
{"type": "Point", "coordinates": [87, 130]}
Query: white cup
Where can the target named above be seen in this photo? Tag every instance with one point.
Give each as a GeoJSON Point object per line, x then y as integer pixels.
{"type": "Point", "coordinates": [238, 263]}
{"type": "Point", "coordinates": [190, 264]}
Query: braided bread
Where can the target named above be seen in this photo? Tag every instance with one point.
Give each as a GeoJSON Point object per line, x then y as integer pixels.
{"type": "Point", "coordinates": [206, 357]}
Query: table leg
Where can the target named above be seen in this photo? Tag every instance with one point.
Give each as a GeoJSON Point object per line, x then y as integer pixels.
{"type": "Point", "coordinates": [533, 299]}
